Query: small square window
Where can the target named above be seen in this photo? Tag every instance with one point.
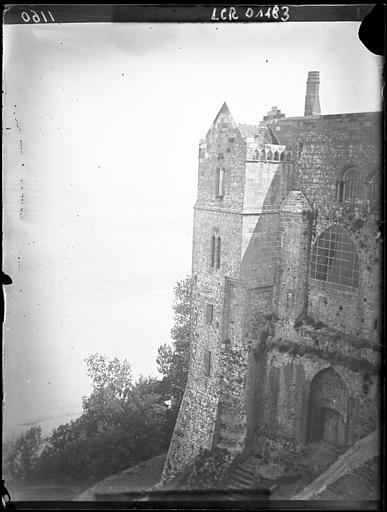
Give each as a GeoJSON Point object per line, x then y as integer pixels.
{"type": "Point", "coordinates": [209, 314]}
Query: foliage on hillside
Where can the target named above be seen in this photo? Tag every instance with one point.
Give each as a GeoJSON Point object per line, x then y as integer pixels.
{"type": "Point", "coordinates": [173, 359]}
{"type": "Point", "coordinates": [123, 422]}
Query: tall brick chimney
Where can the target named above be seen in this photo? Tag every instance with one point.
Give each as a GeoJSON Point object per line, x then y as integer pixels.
{"type": "Point", "coordinates": [312, 100]}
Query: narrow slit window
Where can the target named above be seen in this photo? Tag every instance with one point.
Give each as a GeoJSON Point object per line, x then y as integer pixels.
{"type": "Point", "coordinates": [217, 180]}
{"type": "Point", "coordinates": [340, 191]}
{"type": "Point", "coordinates": [213, 244]}
{"type": "Point", "coordinates": [221, 184]}
{"type": "Point", "coordinates": [207, 363]}
{"type": "Point", "coordinates": [218, 249]}
{"type": "Point", "coordinates": [209, 314]}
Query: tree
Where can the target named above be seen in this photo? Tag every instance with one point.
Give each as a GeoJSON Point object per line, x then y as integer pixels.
{"type": "Point", "coordinates": [112, 376]}
{"type": "Point", "coordinates": [173, 359]}
{"type": "Point", "coordinates": [22, 458]}
{"type": "Point", "coordinates": [123, 423]}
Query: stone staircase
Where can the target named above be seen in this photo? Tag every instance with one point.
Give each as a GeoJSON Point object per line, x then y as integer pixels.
{"type": "Point", "coordinates": [259, 479]}
{"type": "Point", "coordinates": [266, 478]}
{"type": "Point", "coordinates": [244, 483]}
{"type": "Point", "coordinates": [244, 476]}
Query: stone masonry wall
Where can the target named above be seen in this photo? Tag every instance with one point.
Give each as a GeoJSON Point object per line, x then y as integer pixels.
{"type": "Point", "coordinates": [296, 217]}
{"type": "Point", "coordinates": [236, 405]}
{"type": "Point", "coordinates": [260, 249]}
{"type": "Point", "coordinates": [353, 310]}
{"type": "Point", "coordinates": [289, 370]}
{"type": "Point", "coordinates": [196, 422]}
{"type": "Point", "coordinates": [326, 145]}
{"type": "Point", "coordinates": [267, 184]}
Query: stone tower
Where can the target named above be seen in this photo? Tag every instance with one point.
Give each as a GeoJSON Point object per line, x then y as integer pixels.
{"type": "Point", "coordinates": [244, 175]}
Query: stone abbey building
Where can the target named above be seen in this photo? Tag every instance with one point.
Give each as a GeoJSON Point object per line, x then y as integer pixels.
{"type": "Point", "coordinates": [286, 322]}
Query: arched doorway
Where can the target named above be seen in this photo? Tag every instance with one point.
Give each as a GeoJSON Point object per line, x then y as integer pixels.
{"type": "Point", "coordinates": [328, 399]}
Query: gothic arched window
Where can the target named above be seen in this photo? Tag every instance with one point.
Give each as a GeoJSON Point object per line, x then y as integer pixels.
{"type": "Point", "coordinates": [350, 187]}
{"type": "Point", "coordinates": [334, 258]}
{"type": "Point", "coordinates": [263, 155]}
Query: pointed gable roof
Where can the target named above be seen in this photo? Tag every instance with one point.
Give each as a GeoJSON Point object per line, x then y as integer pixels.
{"type": "Point", "coordinates": [224, 110]}
{"type": "Point", "coordinates": [265, 134]}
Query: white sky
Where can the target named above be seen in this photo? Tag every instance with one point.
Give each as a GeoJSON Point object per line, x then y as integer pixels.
{"type": "Point", "coordinates": [110, 117]}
